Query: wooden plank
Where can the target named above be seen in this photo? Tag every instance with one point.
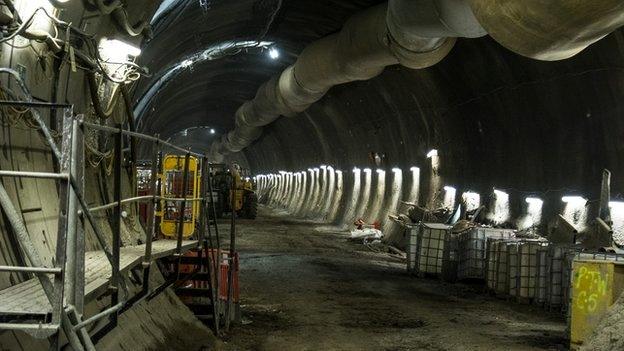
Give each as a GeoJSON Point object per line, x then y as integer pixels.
{"type": "Point", "coordinates": [28, 297]}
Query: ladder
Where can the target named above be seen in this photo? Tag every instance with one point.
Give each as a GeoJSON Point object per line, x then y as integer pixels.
{"type": "Point", "coordinates": [195, 276]}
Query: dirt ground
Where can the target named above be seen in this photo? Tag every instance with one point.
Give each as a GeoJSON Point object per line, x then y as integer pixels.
{"type": "Point", "coordinates": [306, 287]}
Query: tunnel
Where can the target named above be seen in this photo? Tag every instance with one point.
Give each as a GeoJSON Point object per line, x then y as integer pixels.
{"type": "Point", "coordinates": [311, 175]}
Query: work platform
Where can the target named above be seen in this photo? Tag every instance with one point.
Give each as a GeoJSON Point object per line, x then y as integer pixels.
{"type": "Point", "coordinates": [47, 307]}
{"type": "Point", "coordinates": [28, 298]}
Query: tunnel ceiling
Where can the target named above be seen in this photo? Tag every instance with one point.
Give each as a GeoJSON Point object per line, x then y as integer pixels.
{"type": "Point", "coordinates": [210, 92]}
{"type": "Point", "coordinates": [497, 118]}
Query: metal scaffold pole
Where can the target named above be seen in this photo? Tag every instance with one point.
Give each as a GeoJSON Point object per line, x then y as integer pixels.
{"type": "Point", "coordinates": [64, 283]}
{"type": "Point", "coordinates": [150, 231]}
{"type": "Point", "coordinates": [231, 259]}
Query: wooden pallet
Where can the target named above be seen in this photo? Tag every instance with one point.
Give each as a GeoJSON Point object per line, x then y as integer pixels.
{"type": "Point", "coordinates": [28, 298]}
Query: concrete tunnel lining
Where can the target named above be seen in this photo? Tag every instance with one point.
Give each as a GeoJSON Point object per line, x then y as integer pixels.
{"type": "Point", "coordinates": [499, 120]}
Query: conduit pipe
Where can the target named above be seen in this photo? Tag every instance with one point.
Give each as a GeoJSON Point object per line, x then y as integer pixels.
{"type": "Point", "coordinates": [381, 36]}
{"type": "Point", "coordinates": [548, 29]}
{"type": "Point", "coordinates": [418, 34]}
{"type": "Point", "coordinates": [121, 17]}
{"type": "Point", "coordinates": [116, 9]}
{"type": "Point", "coordinates": [106, 8]}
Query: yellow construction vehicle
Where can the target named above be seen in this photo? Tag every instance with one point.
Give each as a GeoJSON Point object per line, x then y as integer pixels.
{"type": "Point", "coordinates": [235, 193]}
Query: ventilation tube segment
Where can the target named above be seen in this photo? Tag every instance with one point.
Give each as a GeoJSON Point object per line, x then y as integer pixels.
{"type": "Point", "coordinates": [419, 34]}
{"type": "Point", "coordinates": [549, 29]}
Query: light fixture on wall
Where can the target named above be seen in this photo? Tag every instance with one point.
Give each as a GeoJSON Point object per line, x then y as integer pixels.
{"type": "Point", "coordinates": [115, 50]}
{"type": "Point", "coordinates": [574, 200]}
{"type": "Point", "coordinates": [500, 213]}
{"type": "Point", "coordinates": [116, 55]}
{"type": "Point", "coordinates": [617, 219]}
{"type": "Point", "coordinates": [575, 211]}
{"type": "Point", "coordinates": [186, 63]}
{"type": "Point", "coordinates": [501, 194]}
{"type": "Point", "coordinates": [533, 213]}
{"type": "Point", "coordinates": [472, 200]}
{"type": "Point", "coordinates": [432, 153]}
{"type": "Point", "coordinates": [274, 53]}
{"type": "Point", "coordinates": [449, 197]}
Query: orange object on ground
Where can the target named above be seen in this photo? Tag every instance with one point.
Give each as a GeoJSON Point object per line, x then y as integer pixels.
{"type": "Point", "coordinates": [224, 264]}
{"type": "Point", "coordinates": [360, 224]}
{"type": "Point", "coordinates": [224, 268]}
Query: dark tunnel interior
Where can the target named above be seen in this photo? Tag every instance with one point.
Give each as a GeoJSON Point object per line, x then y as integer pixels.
{"type": "Point", "coordinates": [531, 126]}
{"type": "Point", "coordinates": [320, 142]}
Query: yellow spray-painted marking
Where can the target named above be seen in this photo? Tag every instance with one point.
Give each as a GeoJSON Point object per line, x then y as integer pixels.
{"type": "Point", "coordinates": [590, 285]}
{"type": "Point", "coordinates": [593, 285]}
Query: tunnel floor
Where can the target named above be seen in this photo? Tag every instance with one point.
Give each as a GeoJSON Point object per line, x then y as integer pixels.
{"type": "Point", "coordinates": [304, 286]}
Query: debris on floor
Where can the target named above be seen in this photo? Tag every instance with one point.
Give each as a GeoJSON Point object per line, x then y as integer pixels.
{"type": "Point", "coordinates": [309, 290]}
{"type": "Point", "coordinates": [366, 233]}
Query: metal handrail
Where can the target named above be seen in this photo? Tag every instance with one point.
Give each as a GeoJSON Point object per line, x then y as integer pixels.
{"type": "Point", "coordinates": [144, 198]}
{"type": "Point", "coordinates": [96, 317]}
{"type": "Point", "coordinates": [39, 270]}
{"type": "Point", "coordinates": [37, 175]}
{"type": "Point", "coordinates": [114, 130]}
{"type": "Point", "coordinates": [73, 193]}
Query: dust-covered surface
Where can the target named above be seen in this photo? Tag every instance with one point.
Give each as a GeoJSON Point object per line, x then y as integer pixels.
{"type": "Point", "coordinates": [609, 334]}
{"type": "Point", "coordinates": [305, 287]}
{"type": "Point", "coordinates": [163, 323]}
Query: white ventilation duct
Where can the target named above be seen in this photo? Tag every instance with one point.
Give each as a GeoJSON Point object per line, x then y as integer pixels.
{"type": "Point", "coordinates": [418, 34]}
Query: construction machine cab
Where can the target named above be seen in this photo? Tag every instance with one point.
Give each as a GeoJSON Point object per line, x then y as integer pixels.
{"type": "Point", "coordinates": [235, 192]}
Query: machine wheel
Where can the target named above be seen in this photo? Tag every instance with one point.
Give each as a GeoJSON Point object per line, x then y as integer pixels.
{"type": "Point", "coordinates": [250, 206]}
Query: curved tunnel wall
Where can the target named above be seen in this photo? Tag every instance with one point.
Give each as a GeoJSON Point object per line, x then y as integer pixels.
{"type": "Point", "coordinates": [530, 128]}
{"type": "Point", "coordinates": [498, 119]}
{"type": "Point", "coordinates": [145, 326]}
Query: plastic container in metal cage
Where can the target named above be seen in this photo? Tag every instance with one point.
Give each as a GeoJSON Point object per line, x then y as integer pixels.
{"type": "Point", "coordinates": [498, 265]}
{"type": "Point", "coordinates": [528, 268]}
{"type": "Point", "coordinates": [472, 250]}
{"type": "Point", "coordinates": [558, 266]}
{"type": "Point", "coordinates": [542, 276]}
{"type": "Point", "coordinates": [428, 248]}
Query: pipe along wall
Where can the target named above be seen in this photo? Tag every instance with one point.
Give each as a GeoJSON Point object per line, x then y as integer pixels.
{"type": "Point", "coordinates": [333, 196]}
{"type": "Point", "coordinates": [417, 35]}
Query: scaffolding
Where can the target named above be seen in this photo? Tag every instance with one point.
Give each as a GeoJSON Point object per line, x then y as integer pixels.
{"type": "Point", "coordinates": [54, 300]}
